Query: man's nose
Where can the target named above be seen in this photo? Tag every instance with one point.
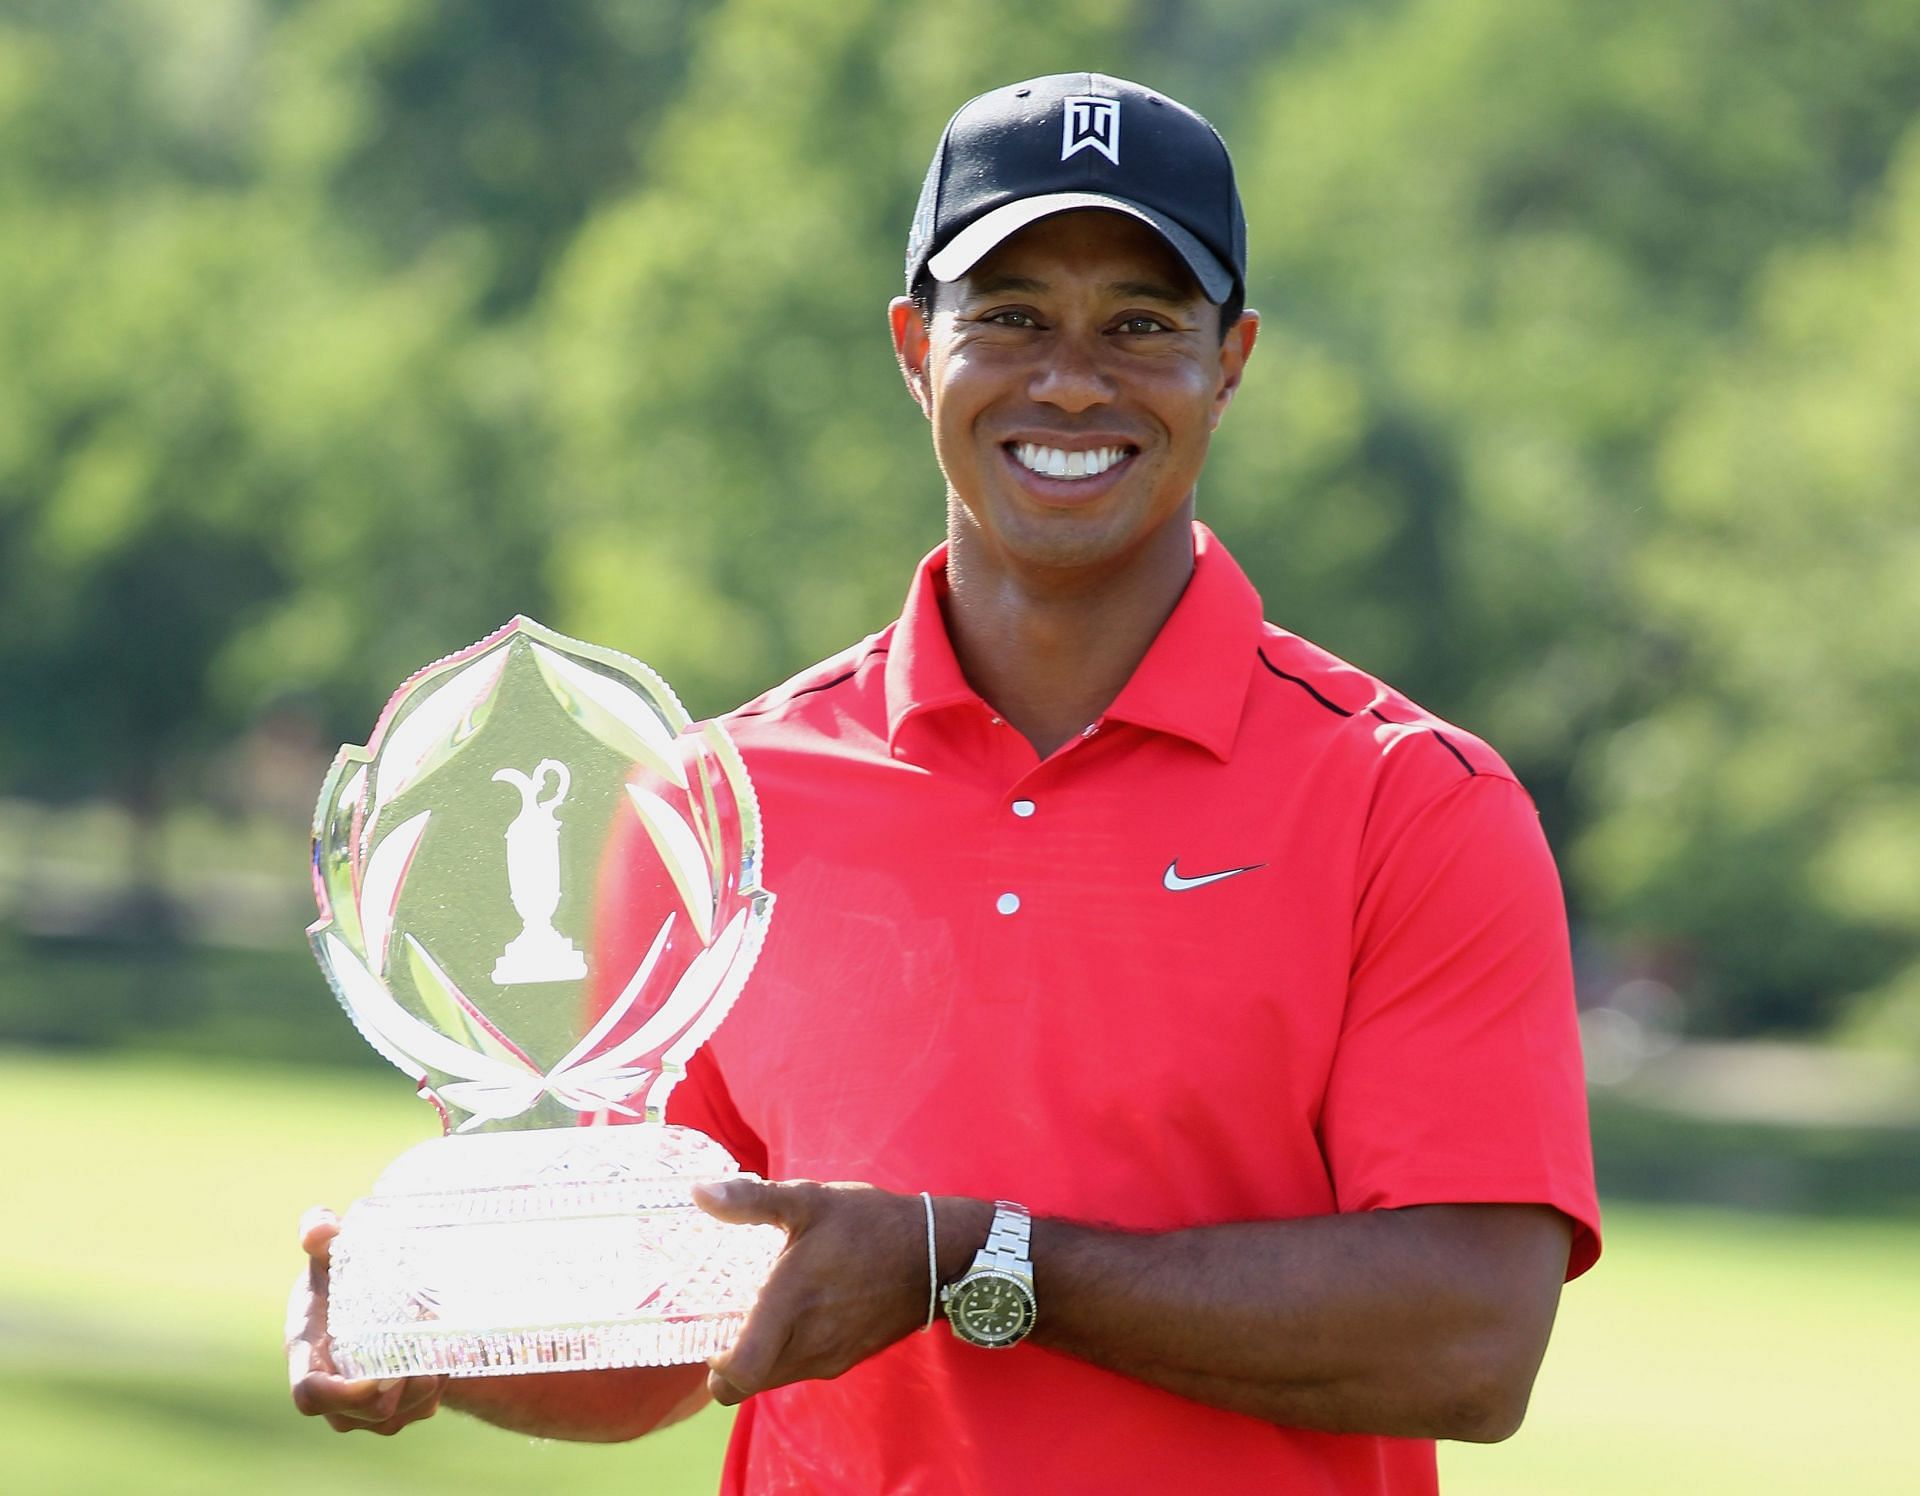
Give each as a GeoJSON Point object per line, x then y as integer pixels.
{"type": "Point", "coordinates": [1072, 379]}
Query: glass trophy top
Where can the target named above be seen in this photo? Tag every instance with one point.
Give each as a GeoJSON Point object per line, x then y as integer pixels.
{"type": "Point", "coordinates": [539, 883]}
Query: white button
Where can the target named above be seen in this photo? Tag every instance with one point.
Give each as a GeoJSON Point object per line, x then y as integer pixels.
{"type": "Point", "coordinates": [1023, 808]}
{"type": "Point", "coordinates": [997, 722]}
{"type": "Point", "coordinates": [1090, 729]}
{"type": "Point", "coordinates": [1007, 903]}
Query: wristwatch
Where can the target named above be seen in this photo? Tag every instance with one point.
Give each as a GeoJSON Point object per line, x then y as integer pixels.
{"type": "Point", "coordinates": [991, 1304]}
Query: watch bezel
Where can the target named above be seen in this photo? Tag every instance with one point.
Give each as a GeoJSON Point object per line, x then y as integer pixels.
{"type": "Point", "coordinates": [955, 1299]}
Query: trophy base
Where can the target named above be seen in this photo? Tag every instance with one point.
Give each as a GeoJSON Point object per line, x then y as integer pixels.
{"type": "Point", "coordinates": [536, 957]}
{"type": "Point", "coordinates": [569, 1248]}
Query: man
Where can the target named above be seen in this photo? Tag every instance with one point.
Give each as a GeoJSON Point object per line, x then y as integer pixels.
{"type": "Point", "coordinates": [1216, 995]}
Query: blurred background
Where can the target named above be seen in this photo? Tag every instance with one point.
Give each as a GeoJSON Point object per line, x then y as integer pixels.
{"type": "Point", "coordinates": [1587, 411]}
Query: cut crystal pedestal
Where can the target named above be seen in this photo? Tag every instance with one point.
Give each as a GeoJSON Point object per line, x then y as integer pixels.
{"type": "Point", "coordinates": [556, 1249]}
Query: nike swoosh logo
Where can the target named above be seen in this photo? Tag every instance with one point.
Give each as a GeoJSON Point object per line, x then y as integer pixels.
{"type": "Point", "coordinates": [1174, 883]}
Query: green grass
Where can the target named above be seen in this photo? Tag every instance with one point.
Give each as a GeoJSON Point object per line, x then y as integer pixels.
{"type": "Point", "coordinates": [1717, 1352]}
{"type": "Point", "coordinates": [148, 1209]}
{"type": "Point", "coordinates": [149, 1239]}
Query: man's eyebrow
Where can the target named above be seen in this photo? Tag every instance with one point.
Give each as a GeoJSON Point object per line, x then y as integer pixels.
{"type": "Point", "coordinates": [1161, 291]}
{"type": "Point", "coordinates": [999, 285]}
{"type": "Point", "coordinates": [1164, 292]}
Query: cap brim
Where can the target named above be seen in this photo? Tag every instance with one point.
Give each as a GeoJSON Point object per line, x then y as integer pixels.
{"type": "Point", "coordinates": [972, 244]}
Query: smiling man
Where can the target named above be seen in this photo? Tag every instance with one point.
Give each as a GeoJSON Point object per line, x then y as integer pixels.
{"type": "Point", "coordinates": [1185, 1013]}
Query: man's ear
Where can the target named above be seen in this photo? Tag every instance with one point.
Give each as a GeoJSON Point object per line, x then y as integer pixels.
{"type": "Point", "coordinates": [910, 347]}
{"type": "Point", "coordinates": [1235, 349]}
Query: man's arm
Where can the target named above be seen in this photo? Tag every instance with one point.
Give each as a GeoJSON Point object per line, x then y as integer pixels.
{"type": "Point", "coordinates": [1427, 1322]}
{"type": "Point", "coordinates": [600, 1406]}
{"type": "Point", "coordinates": [1424, 1322]}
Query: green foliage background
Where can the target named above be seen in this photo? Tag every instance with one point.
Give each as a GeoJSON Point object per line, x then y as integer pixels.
{"type": "Point", "coordinates": [332, 332]}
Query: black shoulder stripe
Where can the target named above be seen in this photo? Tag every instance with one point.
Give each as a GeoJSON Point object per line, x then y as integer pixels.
{"type": "Point", "coordinates": [1431, 732]}
{"type": "Point", "coordinates": [825, 685]}
{"type": "Point", "coordinates": [1374, 712]}
{"type": "Point", "coordinates": [1303, 685]}
{"type": "Point", "coordinates": [1441, 739]}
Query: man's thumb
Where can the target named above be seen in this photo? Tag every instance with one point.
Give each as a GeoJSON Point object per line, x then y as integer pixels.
{"type": "Point", "coordinates": [741, 1202]}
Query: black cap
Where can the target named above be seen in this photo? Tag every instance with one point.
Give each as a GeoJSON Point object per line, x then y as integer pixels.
{"type": "Point", "coordinates": [1079, 140]}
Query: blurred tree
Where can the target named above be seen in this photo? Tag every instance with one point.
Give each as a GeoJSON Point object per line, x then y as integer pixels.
{"type": "Point", "coordinates": [1500, 247]}
{"type": "Point", "coordinates": [334, 331]}
{"type": "Point", "coordinates": [124, 550]}
{"type": "Point", "coordinates": [1781, 782]}
{"type": "Point", "coordinates": [238, 453]}
{"type": "Point", "coordinates": [494, 120]}
{"type": "Point", "coordinates": [744, 483]}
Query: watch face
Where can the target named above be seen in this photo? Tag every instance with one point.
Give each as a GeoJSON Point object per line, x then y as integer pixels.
{"type": "Point", "coordinates": [992, 1310]}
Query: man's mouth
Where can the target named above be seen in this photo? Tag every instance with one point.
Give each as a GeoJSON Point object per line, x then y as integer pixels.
{"type": "Point", "coordinates": [1057, 462]}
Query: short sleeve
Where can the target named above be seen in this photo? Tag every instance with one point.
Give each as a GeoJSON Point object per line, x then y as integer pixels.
{"type": "Point", "coordinates": [701, 1101]}
{"type": "Point", "coordinates": [1458, 1076]}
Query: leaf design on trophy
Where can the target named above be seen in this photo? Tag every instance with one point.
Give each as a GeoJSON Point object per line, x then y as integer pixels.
{"type": "Point", "coordinates": [740, 941]}
{"type": "Point", "coordinates": [688, 1008]}
{"type": "Point", "coordinates": [444, 723]}
{"type": "Point", "coordinates": [454, 1011]}
{"type": "Point", "coordinates": [621, 1006]}
{"type": "Point", "coordinates": [493, 1100]}
{"type": "Point", "coordinates": [706, 814]}
{"type": "Point", "coordinates": [504, 1086]}
{"type": "Point", "coordinates": [680, 853]}
{"type": "Point", "coordinates": [336, 846]}
{"type": "Point", "coordinates": [735, 815]}
{"type": "Point", "coordinates": [614, 713]}
{"type": "Point", "coordinates": [380, 894]}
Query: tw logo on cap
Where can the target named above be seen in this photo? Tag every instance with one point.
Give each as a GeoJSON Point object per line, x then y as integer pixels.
{"type": "Point", "coordinates": [1091, 123]}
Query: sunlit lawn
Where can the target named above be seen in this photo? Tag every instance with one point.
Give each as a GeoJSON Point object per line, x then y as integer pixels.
{"type": "Point", "coordinates": [147, 1215]}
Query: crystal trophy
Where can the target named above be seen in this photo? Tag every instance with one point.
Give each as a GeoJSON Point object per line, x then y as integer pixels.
{"type": "Point", "coordinates": [539, 890]}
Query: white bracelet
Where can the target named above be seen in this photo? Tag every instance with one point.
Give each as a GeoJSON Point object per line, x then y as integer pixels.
{"type": "Point", "coordinates": [933, 1266]}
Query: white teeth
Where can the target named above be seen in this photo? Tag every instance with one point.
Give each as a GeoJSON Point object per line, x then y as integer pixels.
{"type": "Point", "coordinates": [1054, 462]}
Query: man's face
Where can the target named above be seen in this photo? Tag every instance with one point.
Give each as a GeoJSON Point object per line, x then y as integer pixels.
{"type": "Point", "coordinates": [1073, 378]}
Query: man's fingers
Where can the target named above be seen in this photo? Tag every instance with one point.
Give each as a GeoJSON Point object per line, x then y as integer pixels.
{"type": "Point", "coordinates": [749, 1367]}
{"type": "Point", "coordinates": [750, 1202]}
{"type": "Point", "coordinates": [364, 1402]}
{"type": "Point", "coordinates": [308, 1349]}
{"type": "Point", "coordinates": [420, 1396]}
{"type": "Point", "coordinates": [389, 1427]}
{"type": "Point", "coordinates": [300, 1374]}
{"type": "Point", "coordinates": [318, 1227]}
{"type": "Point", "coordinates": [360, 1400]}
{"type": "Point", "coordinates": [376, 1405]}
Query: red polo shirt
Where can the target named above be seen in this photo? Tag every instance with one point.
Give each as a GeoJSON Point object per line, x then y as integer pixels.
{"type": "Point", "coordinates": [1266, 941]}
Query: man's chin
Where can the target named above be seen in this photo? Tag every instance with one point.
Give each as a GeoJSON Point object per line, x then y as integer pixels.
{"type": "Point", "coordinates": [1092, 541]}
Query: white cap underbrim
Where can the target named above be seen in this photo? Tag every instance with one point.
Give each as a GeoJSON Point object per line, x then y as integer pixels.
{"type": "Point", "coordinates": [973, 243]}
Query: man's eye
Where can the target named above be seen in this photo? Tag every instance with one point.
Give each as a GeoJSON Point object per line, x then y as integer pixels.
{"type": "Point", "coordinates": [1142, 324]}
{"type": "Point", "coordinates": [1011, 317]}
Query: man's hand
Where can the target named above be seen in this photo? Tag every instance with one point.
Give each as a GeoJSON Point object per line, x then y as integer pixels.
{"type": "Point", "coordinates": [379, 1407]}
{"type": "Point", "coordinates": [852, 1280]}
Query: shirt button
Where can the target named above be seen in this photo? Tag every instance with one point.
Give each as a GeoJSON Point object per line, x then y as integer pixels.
{"type": "Point", "coordinates": [1023, 808]}
{"type": "Point", "coordinates": [997, 721]}
{"type": "Point", "coordinates": [1007, 903]}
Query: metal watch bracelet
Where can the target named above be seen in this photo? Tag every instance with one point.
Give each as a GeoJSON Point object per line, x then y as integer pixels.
{"type": "Point", "coordinates": [1009, 1241]}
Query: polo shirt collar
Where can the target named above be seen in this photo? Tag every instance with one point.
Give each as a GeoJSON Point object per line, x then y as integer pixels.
{"type": "Point", "coordinates": [923, 673]}
{"type": "Point", "coordinates": [1192, 682]}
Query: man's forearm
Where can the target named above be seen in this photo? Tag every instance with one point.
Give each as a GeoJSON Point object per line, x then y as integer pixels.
{"type": "Point", "coordinates": [594, 1406]}
{"type": "Point", "coordinates": [1428, 1322]}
